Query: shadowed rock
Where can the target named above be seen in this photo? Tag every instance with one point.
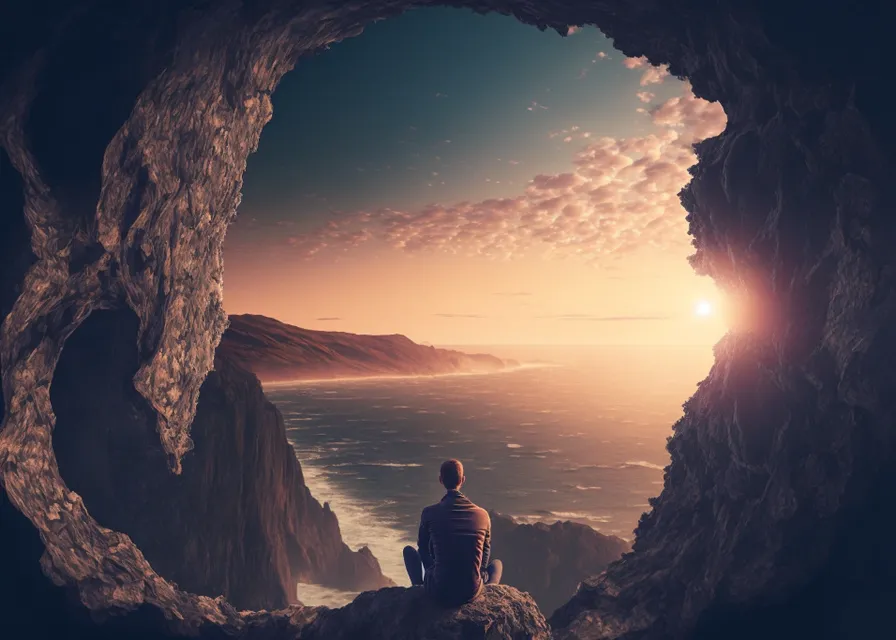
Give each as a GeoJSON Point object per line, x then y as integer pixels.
{"type": "Point", "coordinates": [239, 520]}
{"type": "Point", "coordinates": [550, 560]}
{"type": "Point", "coordinates": [500, 613]}
{"type": "Point", "coordinates": [770, 521]}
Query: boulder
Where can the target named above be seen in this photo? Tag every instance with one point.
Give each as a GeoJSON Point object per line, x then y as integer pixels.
{"type": "Point", "coordinates": [500, 613]}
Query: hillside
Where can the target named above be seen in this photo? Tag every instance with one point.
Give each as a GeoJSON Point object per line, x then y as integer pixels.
{"type": "Point", "coordinates": [275, 351]}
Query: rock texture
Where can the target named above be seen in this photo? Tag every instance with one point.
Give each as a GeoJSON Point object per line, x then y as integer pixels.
{"type": "Point", "coordinates": [275, 351]}
{"type": "Point", "coordinates": [500, 613]}
{"type": "Point", "coordinates": [239, 520]}
{"type": "Point", "coordinates": [129, 125]}
{"type": "Point", "coordinates": [549, 561]}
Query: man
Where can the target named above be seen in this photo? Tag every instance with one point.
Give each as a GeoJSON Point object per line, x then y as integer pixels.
{"type": "Point", "coordinates": [453, 545]}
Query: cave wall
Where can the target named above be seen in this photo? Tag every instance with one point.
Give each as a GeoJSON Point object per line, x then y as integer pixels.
{"type": "Point", "coordinates": [779, 455]}
{"type": "Point", "coordinates": [238, 521]}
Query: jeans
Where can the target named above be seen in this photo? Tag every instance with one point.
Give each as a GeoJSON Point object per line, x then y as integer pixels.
{"type": "Point", "coordinates": [414, 566]}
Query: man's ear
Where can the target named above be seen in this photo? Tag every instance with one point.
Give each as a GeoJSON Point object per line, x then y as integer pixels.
{"type": "Point", "coordinates": [462, 481]}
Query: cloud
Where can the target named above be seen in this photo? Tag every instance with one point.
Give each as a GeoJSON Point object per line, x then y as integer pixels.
{"type": "Point", "coordinates": [535, 105]}
{"type": "Point", "coordinates": [439, 94]}
{"type": "Point", "coordinates": [697, 119]}
{"type": "Point", "coordinates": [582, 73]}
{"type": "Point", "coordinates": [570, 134]}
{"type": "Point", "coordinates": [651, 75]}
{"type": "Point", "coordinates": [600, 56]}
{"type": "Point", "coordinates": [458, 315]}
{"type": "Point", "coordinates": [645, 96]}
{"type": "Point", "coordinates": [571, 29]}
{"type": "Point", "coordinates": [327, 319]}
{"type": "Point", "coordinates": [593, 318]}
{"type": "Point", "coordinates": [654, 75]}
{"type": "Point", "coordinates": [513, 294]}
{"type": "Point", "coordinates": [620, 197]}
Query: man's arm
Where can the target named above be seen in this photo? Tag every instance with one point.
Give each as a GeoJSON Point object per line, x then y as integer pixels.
{"type": "Point", "coordinates": [486, 545]}
{"type": "Point", "coordinates": [423, 540]}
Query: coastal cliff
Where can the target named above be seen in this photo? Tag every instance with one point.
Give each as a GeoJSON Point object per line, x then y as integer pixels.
{"type": "Point", "coordinates": [770, 521]}
{"type": "Point", "coordinates": [548, 561]}
{"type": "Point", "coordinates": [276, 351]}
{"type": "Point", "coordinates": [239, 520]}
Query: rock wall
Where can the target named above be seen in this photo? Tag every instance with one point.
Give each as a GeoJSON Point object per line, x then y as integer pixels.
{"type": "Point", "coordinates": [548, 561]}
{"type": "Point", "coordinates": [239, 520]}
{"type": "Point", "coordinates": [785, 453]}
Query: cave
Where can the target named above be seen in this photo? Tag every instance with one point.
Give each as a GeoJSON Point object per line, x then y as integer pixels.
{"type": "Point", "coordinates": [125, 132]}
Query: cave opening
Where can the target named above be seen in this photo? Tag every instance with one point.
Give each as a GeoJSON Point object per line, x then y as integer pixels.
{"type": "Point", "coordinates": [323, 256]}
{"type": "Point", "coordinates": [791, 203]}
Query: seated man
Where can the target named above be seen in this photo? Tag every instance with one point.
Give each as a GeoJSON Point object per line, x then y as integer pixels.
{"type": "Point", "coordinates": [453, 545]}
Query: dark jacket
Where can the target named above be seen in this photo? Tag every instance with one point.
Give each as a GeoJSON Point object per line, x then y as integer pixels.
{"type": "Point", "coordinates": [454, 544]}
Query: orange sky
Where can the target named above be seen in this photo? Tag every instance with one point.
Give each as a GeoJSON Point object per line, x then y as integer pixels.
{"type": "Point", "coordinates": [451, 299]}
{"type": "Point", "coordinates": [592, 252]}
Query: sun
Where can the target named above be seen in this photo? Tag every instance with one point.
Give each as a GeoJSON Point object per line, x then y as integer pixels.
{"type": "Point", "coordinates": [703, 308]}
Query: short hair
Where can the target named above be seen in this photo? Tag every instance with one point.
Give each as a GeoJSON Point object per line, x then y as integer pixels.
{"type": "Point", "coordinates": [451, 472]}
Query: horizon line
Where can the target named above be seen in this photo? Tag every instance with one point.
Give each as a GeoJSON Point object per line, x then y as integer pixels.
{"type": "Point", "coordinates": [566, 344]}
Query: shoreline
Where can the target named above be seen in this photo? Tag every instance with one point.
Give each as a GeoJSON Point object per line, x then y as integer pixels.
{"type": "Point", "coordinates": [410, 376]}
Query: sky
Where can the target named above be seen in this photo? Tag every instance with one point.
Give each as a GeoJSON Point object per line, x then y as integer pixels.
{"type": "Point", "coordinates": [468, 179]}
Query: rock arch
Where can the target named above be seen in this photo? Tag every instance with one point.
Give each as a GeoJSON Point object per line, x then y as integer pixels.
{"type": "Point", "coordinates": [783, 452]}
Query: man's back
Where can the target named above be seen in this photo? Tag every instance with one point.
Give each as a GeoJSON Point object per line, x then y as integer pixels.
{"type": "Point", "coordinates": [454, 543]}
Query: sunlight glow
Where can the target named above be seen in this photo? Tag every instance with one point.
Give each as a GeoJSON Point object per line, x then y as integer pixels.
{"type": "Point", "coordinates": [703, 308]}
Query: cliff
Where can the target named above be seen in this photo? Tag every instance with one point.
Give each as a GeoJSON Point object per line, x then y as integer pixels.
{"type": "Point", "coordinates": [278, 351]}
{"type": "Point", "coordinates": [239, 520]}
{"type": "Point", "coordinates": [770, 521]}
{"type": "Point", "coordinates": [549, 561]}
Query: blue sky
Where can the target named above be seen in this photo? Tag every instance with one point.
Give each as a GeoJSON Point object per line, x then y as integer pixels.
{"type": "Point", "coordinates": [365, 123]}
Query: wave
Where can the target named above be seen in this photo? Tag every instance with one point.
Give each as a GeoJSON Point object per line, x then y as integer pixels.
{"type": "Point", "coordinates": [418, 376]}
{"type": "Point", "coordinates": [317, 595]}
{"type": "Point", "coordinates": [513, 445]}
{"type": "Point", "coordinates": [642, 463]}
{"type": "Point", "coordinates": [393, 465]}
{"type": "Point", "coordinates": [549, 517]}
{"type": "Point", "coordinates": [631, 464]}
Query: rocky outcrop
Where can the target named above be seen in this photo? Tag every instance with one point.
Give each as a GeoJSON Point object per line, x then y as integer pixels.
{"type": "Point", "coordinates": [276, 351]}
{"type": "Point", "coordinates": [500, 613]}
{"type": "Point", "coordinates": [549, 561]}
{"type": "Point", "coordinates": [239, 520]}
{"type": "Point", "coordinates": [770, 516]}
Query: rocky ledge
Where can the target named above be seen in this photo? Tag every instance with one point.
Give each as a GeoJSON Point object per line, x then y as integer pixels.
{"type": "Point", "coordinates": [500, 613]}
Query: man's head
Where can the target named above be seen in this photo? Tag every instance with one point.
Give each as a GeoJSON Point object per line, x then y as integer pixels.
{"type": "Point", "coordinates": [451, 474]}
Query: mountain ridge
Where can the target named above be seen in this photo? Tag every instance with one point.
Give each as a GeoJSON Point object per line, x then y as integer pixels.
{"type": "Point", "coordinates": [276, 352]}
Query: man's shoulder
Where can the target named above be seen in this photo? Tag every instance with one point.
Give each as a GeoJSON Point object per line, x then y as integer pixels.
{"type": "Point", "coordinates": [485, 515]}
{"type": "Point", "coordinates": [481, 512]}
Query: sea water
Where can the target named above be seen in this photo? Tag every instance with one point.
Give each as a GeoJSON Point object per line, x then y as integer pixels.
{"type": "Point", "coordinates": [576, 433]}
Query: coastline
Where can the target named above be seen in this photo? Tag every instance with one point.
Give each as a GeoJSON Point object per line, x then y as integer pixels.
{"type": "Point", "coordinates": [412, 376]}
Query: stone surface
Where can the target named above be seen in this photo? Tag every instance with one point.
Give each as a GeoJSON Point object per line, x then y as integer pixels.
{"type": "Point", "coordinates": [549, 561]}
{"type": "Point", "coordinates": [129, 125]}
{"type": "Point", "coordinates": [239, 520]}
{"type": "Point", "coordinates": [500, 613]}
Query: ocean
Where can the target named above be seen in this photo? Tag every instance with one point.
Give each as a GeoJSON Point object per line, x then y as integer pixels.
{"type": "Point", "coordinates": [574, 433]}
